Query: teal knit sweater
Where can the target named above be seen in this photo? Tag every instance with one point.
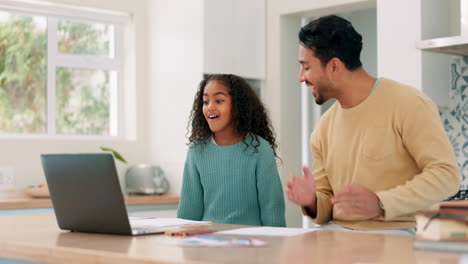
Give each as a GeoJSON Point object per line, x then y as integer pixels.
{"type": "Point", "coordinates": [232, 185]}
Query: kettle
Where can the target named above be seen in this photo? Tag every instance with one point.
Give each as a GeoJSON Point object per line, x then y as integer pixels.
{"type": "Point", "coordinates": [146, 179]}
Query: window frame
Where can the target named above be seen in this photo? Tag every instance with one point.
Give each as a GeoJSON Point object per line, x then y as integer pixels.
{"type": "Point", "coordinates": [55, 13]}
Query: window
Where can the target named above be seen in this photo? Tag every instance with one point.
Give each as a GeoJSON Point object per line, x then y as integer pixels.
{"type": "Point", "coordinates": [61, 72]}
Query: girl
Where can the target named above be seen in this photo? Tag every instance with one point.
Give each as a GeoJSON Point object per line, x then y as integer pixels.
{"type": "Point", "coordinates": [230, 174]}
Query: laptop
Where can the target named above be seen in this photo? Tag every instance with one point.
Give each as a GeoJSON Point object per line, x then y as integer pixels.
{"type": "Point", "coordinates": [86, 195]}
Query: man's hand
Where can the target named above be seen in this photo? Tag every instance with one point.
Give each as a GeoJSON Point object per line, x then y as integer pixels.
{"type": "Point", "coordinates": [301, 190]}
{"type": "Point", "coordinates": [358, 200]}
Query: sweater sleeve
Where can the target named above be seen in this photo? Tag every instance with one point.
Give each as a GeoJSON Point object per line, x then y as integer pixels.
{"type": "Point", "coordinates": [191, 199]}
{"type": "Point", "coordinates": [270, 190]}
{"type": "Point", "coordinates": [426, 141]}
{"type": "Point", "coordinates": [323, 189]}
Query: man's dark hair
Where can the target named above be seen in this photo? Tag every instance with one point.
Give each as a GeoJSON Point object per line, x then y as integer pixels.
{"type": "Point", "coordinates": [333, 36]}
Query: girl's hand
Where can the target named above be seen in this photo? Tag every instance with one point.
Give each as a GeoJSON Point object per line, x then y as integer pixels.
{"type": "Point", "coordinates": [301, 190]}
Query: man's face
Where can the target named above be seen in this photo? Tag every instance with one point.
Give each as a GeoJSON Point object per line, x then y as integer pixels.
{"type": "Point", "coordinates": [314, 75]}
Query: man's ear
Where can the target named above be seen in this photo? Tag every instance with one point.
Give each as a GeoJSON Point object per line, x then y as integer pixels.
{"type": "Point", "coordinates": [335, 65]}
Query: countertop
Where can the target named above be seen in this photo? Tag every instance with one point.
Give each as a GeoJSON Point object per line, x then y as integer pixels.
{"type": "Point", "coordinates": [37, 238]}
{"type": "Point", "coordinates": [29, 203]}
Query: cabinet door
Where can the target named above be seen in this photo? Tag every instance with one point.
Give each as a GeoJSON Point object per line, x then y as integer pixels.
{"type": "Point", "coordinates": [153, 210]}
{"type": "Point", "coordinates": [234, 37]}
{"type": "Point", "coordinates": [26, 211]}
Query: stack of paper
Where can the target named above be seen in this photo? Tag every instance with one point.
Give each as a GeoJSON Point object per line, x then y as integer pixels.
{"type": "Point", "coordinates": [444, 227]}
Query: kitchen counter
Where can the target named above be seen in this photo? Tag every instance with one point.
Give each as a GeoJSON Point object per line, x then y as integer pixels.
{"type": "Point", "coordinates": [37, 238]}
{"type": "Point", "coordinates": [29, 203]}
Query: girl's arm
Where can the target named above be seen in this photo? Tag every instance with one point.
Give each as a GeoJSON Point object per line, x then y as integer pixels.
{"type": "Point", "coordinates": [270, 190]}
{"type": "Point", "coordinates": [191, 199]}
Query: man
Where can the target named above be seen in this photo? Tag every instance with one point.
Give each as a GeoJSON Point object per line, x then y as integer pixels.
{"type": "Point", "coordinates": [380, 153]}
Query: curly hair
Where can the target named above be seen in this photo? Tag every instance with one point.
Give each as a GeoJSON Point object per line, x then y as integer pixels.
{"type": "Point", "coordinates": [248, 113]}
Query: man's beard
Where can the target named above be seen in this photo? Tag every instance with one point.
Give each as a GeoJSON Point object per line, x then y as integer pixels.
{"type": "Point", "coordinates": [320, 100]}
{"type": "Point", "coordinates": [325, 88]}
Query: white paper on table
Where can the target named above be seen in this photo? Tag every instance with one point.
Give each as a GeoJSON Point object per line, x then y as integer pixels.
{"type": "Point", "coordinates": [162, 222]}
{"type": "Point", "coordinates": [268, 231]}
{"type": "Point", "coordinates": [463, 259]}
{"type": "Point", "coordinates": [214, 241]}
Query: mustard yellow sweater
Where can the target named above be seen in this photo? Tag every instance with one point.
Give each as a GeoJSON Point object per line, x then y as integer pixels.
{"type": "Point", "coordinates": [392, 143]}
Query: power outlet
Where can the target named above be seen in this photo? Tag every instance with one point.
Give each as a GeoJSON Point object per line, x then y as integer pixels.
{"type": "Point", "coordinates": [7, 178]}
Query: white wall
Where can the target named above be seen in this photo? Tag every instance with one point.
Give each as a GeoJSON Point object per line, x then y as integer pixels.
{"type": "Point", "coordinates": [23, 154]}
{"type": "Point", "coordinates": [235, 37]}
{"type": "Point", "coordinates": [398, 29]}
{"type": "Point", "coordinates": [362, 22]}
{"type": "Point", "coordinates": [175, 33]}
{"type": "Point", "coordinates": [399, 58]}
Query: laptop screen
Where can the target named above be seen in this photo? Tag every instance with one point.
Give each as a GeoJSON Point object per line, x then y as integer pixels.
{"type": "Point", "coordinates": [85, 192]}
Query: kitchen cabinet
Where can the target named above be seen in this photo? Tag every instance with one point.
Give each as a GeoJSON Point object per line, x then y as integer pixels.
{"type": "Point", "coordinates": [440, 26]}
{"type": "Point", "coordinates": [161, 210]}
{"type": "Point", "coordinates": [15, 261]}
{"type": "Point", "coordinates": [234, 37]}
{"type": "Point", "coordinates": [26, 211]}
{"type": "Point", "coordinates": [444, 27]}
{"type": "Point", "coordinates": [147, 205]}
{"type": "Point", "coordinates": [133, 210]}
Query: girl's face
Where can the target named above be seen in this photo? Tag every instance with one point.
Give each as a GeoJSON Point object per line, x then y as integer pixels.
{"type": "Point", "coordinates": [217, 108]}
